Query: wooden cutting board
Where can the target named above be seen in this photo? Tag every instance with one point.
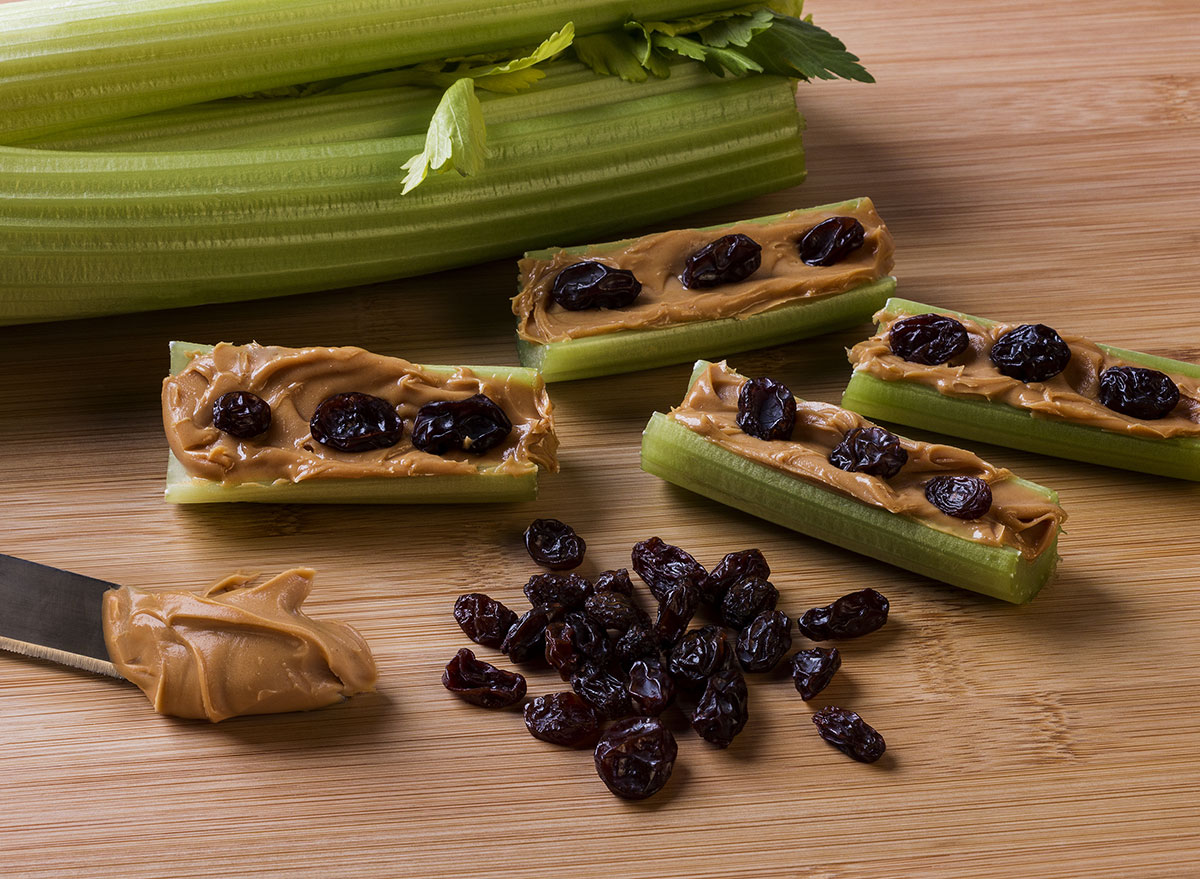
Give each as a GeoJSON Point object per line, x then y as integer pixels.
{"type": "Point", "coordinates": [1036, 162]}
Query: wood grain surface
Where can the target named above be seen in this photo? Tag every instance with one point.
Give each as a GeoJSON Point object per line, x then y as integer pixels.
{"type": "Point", "coordinates": [1035, 161]}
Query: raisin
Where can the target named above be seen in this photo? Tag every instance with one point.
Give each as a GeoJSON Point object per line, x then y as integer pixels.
{"type": "Point", "coordinates": [637, 643]}
{"type": "Point", "coordinates": [554, 545]}
{"type": "Point", "coordinates": [1138, 392]}
{"type": "Point", "coordinates": [525, 640]}
{"type": "Point", "coordinates": [481, 683]}
{"type": "Point", "coordinates": [722, 711]}
{"type": "Point", "coordinates": [699, 655]}
{"type": "Point", "coordinates": [569, 590]}
{"type": "Point", "coordinates": [869, 450]}
{"type": "Point", "coordinates": [473, 425]}
{"type": "Point", "coordinates": [560, 651]}
{"type": "Point", "coordinates": [963, 497]}
{"type": "Point", "coordinates": [356, 423]}
{"type": "Point", "coordinates": [562, 719]}
{"type": "Point", "coordinates": [930, 339]}
{"type": "Point", "coordinates": [483, 619]}
{"type": "Point", "coordinates": [1030, 353]}
{"type": "Point", "coordinates": [651, 689]}
{"type": "Point", "coordinates": [813, 669]}
{"type": "Point", "coordinates": [746, 600]}
{"type": "Point", "coordinates": [729, 259]}
{"type": "Point", "coordinates": [735, 567]}
{"type": "Point", "coordinates": [573, 642]}
{"type": "Point", "coordinates": [831, 241]}
{"type": "Point", "coordinates": [635, 757]}
{"type": "Point", "coordinates": [583, 286]}
{"type": "Point", "coordinates": [675, 611]}
{"type": "Point", "coordinates": [615, 611]}
{"type": "Point", "coordinates": [615, 581]}
{"type": "Point", "coordinates": [851, 616]}
{"type": "Point", "coordinates": [849, 733]}
{"type": "Point", "coordinates": [762, 644]}
{"type": "Point", "coordinates": [766, 409]}
{"type": "Point", "coordinates": [602, 690]}
{"type": "Point", "coordinates": [661, 565]}
{"type": "Point", "coordinates": [241, 414]}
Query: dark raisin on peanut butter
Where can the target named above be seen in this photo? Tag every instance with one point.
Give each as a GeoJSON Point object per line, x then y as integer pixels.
{"type": "Point", "coordinates": [831, 241]}
{"type": "Point", "coordinates": [766, 409]}
{"type": "Point", "coordinates": [583, 286]}
{"type": "Point", "coordinates": [242, 414]}
{"type": "Point", "coordinates": [1138, 392]}
{"type": "Point", "coordinates": [963, 497]}
{"type": "Point", "coordinates": [355, 422]}
{"type": "Point", "coordinates": [929, 339]}
{"type": "Point", "coordinates": [729, 259]}
{"type": "Point", "coordinates": [1030, 353]}
{"type": "Point", "coordinates": [474, 425]}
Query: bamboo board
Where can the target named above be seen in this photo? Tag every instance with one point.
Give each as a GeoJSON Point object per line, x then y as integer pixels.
{"type": "Point", "coordinates": [1035, 161]}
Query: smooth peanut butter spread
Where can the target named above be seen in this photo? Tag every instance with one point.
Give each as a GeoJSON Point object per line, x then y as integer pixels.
{"type": "Point", "coordinates": [1069, 396]}
{"type": "Point", "coordinates": [1020, 517]}
{"type": "Point", "coordinates": [657, 260]}
{"type": "Point", "coordinates": [295, 381]}
{"type": "Point", "coordinates": [234, 649]}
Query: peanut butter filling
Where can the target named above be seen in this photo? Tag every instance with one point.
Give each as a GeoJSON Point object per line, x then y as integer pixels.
{"type": "Point", "coordinates": [1020, 517]}
{"type": "Point", "coordinates": [1068, 396]}
{"type": "Point", "coordinates": [657, 260]}
{"type": "Point", "coordinates": [234, 649]}
{"type": "Point", "coordinates": [294, 381]}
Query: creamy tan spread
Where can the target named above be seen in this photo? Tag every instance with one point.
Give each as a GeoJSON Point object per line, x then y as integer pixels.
{"type": "Point", "coordinates": [234, 649]}
{"type": "Point", "coordinates": [294, 381]}
{"type": "Point", "coordinates": [1020, 517]}
{"type": "Point", "coordinates": [657, 260]}
{"type": "Point", "coordinates": [1068, 396]}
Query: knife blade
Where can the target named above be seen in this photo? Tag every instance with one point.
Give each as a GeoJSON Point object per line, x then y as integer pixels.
{"type": "Point", "coordinates": [53, 614]}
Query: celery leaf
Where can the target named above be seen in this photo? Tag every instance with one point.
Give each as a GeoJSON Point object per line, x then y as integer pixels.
{"type": "Point", "coordinates": [798, 48]}
{"type": "Point", "coordinates": [518, 74]}
{"type": "Point", "coordinates": [456, 139]}
{"type": "Point", "coordinates": [717, 60]}
{"type": "Point", "coordinates": [736, 30]}
{"type": "Point", "coordinates": [613, 53]}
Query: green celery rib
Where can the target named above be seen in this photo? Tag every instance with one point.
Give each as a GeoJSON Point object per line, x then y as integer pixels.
{"type": "Point", "coordinates": [452, 489]}
{"type": "Point", "coordinates": [86, 234]}
{"type": "Point", "coordinates": [684, 458]}
{"type": "Point", "coordinates": [633, 350]}
{"type": "Point", "coordinates": [994, 422]}
{"type": "Point", "coordinates": [69, 64]}
{"type": "Point", "coordinates": [358, 114]}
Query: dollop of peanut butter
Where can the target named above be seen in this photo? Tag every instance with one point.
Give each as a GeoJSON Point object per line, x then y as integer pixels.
{"type": "Point", "coordinates": [234, 649]}
{"type": "Point", "coordinates": [294, 381]}
{"type": "Point", "coordinates": [1068, 396]}
{"type": "Point", "coordinates": [1020, 516]}
{"type": "Point", "coordinates": [657, 260]}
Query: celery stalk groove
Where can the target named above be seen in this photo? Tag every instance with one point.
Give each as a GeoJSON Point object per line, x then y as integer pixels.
{"type": "Point", "coordinates": [88, 233]}
{"type": "Point", "coordinates": [920, 406]}
{"type": "Point", "coordinates": [676, 454]}
{"type": "Point", "coordinates": [182, 488]}
{"type": "Point", "coordinates": [68, 64]}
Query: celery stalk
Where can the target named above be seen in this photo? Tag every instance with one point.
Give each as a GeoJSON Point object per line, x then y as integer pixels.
{"type": "Point", "coordinates": [359, 114]}
{"type": "Point", "coordinates": [920, 406]}
{"type": "Point", "coordinates": [87, 234]}
{"type": "Point", "coordinates": [69, 64]}
{"type": "Point", "coordinates": [633, 350]}
{"type": "Point", "coordinates": [676, 454]}
{"type": "Point", "coordinates": [484, 487]}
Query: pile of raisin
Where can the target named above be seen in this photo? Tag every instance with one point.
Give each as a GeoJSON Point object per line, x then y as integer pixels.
{"type": "Point", "coordinates": [628, 667]}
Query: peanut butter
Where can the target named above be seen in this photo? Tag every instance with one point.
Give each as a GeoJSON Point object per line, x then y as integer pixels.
{"type": "Point", "coordinates": [1020, 517]}
{"type": "Point", "coordinates": [234, 649]}
{"type": "Point", "coordinates": [294, 381]}
{"type": "Point", "coordinates": [657, 260]}
{"type": "Point", "coordinates": [1068, 396]}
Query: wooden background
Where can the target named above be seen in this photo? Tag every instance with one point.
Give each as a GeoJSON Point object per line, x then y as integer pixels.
{"type": "Point", "coordinates": [1036, 161]}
